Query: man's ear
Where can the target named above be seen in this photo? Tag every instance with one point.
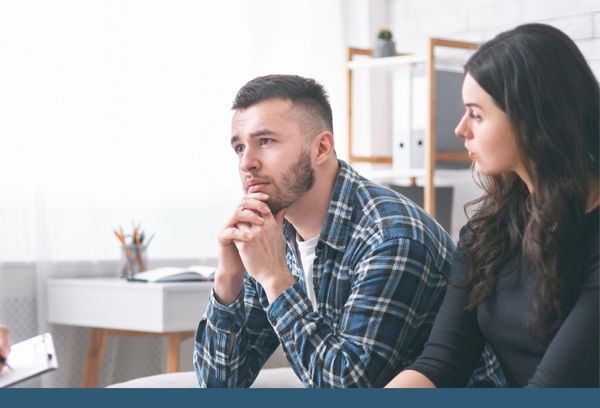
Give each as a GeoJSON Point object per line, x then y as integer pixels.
{"type": "Point", "coordinates": [323, 146]}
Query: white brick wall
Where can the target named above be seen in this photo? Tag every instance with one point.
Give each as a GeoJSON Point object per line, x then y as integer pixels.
{"type": "Point", "coordinates": [587, 5]}
{"type": "Point", "coordinates": [578, 27]}
{"type": "Point", "coordinates": [479, 20]}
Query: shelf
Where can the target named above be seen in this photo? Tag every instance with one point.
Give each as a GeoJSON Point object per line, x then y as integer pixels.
{"type": "Point", "coordinates": [391, 63]}
{"type": "Point", "coordinates": [452, 156]}
{"type": "Point", "coordinates": [408, 177]}
{"type": "Point", "coordinates": [447, 156]}
{"type": "Point", "coordinates": [386, 62]}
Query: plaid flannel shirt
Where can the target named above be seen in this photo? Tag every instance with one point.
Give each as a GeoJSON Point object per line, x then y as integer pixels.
{"type": "Point", "coordinates": [379, 278]}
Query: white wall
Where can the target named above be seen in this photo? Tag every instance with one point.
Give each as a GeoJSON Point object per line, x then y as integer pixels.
{"type": "Point", "coordinates": [479, 20]}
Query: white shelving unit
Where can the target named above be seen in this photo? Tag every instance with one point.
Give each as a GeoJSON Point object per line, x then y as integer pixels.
{"type": "Point", "coordinates": [426, 64]}
{"type": "Point", "coordinates": [389, 63]}
{"type": "Point", "coordinates": [416, 177]}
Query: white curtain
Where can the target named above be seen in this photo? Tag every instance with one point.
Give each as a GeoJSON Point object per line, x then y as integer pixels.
{"type": "Point", "coordinates": [118, 111]}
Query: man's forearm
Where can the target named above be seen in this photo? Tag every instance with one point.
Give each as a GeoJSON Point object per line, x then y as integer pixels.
{"type": "Point", "coordinates": [222, 356]}
{"type": "Point", "coordinates": [278, 284]}
{"type": "Point", "coordinates": [228, 287]}
{"type": "Point", "coordinates": [229, 277]}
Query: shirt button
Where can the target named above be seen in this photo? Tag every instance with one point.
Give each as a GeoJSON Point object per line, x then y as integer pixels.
{"type": "Point", "coordinates": [274, 322]}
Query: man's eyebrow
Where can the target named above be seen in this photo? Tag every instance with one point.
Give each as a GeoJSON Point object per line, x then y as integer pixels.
{"type": "Point", "coordinates": [258, 133]}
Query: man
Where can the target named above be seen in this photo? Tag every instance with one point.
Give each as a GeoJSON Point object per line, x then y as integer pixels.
{"type": "Point", "coordinates": [346, 275]}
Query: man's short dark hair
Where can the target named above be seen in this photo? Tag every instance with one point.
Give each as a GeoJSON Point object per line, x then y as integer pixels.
{"type": "Point", "coordinates": [302, 92]}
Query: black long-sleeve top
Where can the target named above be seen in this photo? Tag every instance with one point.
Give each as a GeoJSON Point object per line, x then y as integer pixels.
{"type": "Point", "coordinates": [458, 335]}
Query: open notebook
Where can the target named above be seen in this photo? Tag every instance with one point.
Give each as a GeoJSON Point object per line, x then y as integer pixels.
{"type": "Point", "coordinates": [173, 274]}
{"type": "Point", "coordinates": [29, 358]}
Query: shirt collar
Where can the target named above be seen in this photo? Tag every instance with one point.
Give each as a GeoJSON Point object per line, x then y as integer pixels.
{"type": "Point", "coordinates": [335, 231]}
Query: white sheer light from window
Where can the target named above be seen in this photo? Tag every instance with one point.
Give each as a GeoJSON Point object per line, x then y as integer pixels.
{"type": "Point", "coordinates": [113, 111]}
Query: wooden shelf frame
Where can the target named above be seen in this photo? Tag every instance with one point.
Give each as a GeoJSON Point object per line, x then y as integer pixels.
{"type": "Point", "coordinates": [431, 155]}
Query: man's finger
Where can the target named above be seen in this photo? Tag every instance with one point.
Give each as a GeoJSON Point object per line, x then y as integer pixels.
{"type": "Point", "coordinates": [248, 203]}
{"type": "Point", "coordinates": [258, 196]}
{"type": "Point", "coordinates": [228, 235]}
{"type": "Point", "coordinates": [249, 217]}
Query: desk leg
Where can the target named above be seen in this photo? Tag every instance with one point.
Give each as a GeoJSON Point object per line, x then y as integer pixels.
{"type": "Point", "coordinates": [94, 358]}
{"type": "Point", "coordinates": [173, 350]}
{"type": "Point", "coordinates": [97, 347]}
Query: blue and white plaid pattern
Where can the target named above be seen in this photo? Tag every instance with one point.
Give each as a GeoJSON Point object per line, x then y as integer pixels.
{"type": "Point", "coordinates": [379, 279]}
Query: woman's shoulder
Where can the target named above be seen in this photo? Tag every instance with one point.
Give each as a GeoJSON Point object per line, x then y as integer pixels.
{"type": "Point", "coordinates": [591, 232]}
{"type": "Point", "coordinates": [591, 249]}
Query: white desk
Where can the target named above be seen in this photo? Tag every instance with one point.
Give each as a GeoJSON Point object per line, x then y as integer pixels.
{"type": "Point", "coordinates": [115, 307]}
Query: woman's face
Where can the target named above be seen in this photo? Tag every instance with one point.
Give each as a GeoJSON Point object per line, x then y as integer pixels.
{"type": "Point", "coordinates": [488, 134]}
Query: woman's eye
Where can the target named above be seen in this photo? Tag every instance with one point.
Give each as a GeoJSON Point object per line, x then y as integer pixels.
{"type": "Point", "coordinates": [474, 116]}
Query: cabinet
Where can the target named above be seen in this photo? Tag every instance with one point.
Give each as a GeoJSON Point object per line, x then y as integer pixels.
{"type": "Point", "coordinates": [425, 104]}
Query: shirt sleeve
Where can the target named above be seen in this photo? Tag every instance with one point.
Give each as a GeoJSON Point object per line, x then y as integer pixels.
{"type": "Point", "coordinates": [572, 358]}
{"type": "Point", "coordinates": [395, 290]}
{"type": "Point", "coordinates": [456, 343]}
{"type": "Point", "coordinates": [233, 342]}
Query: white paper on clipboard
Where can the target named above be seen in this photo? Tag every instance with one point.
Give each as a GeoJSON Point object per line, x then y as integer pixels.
{"type": "Point", "coordinates": [28, 359]}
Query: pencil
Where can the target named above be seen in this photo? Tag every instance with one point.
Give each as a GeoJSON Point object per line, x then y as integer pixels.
{"type": "Point", "coordinates": [3, 361]}
{"type": "Point", "coordinates": [120, 237]}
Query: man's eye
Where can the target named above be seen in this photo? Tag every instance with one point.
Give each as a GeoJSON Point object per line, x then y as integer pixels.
{"type": "Point", "coordinates": [265, 140]}
{"type": "Point", "coordinates": [238, 148]}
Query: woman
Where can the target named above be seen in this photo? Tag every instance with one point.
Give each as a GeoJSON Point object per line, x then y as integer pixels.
{"type": "Point", "coordinates": [525, 275]}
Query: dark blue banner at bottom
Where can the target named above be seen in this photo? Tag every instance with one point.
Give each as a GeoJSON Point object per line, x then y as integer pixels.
{"type": "Point", "coordinates": [290, 398]}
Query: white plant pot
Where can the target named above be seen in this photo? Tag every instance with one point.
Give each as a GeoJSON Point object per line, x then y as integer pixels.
{"type": "Point", "coordinates": [384, 48]}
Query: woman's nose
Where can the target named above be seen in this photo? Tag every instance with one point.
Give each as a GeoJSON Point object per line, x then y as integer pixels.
{"type": "Point", "coordinates": [461, 130]}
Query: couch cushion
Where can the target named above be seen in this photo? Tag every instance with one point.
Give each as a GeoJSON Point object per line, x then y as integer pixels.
{"type": "Point", "coordinates": [282, 377]}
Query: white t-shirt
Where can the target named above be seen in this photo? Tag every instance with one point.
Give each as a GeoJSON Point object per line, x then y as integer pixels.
{"type": "Point", "coordinates": [308, 254]}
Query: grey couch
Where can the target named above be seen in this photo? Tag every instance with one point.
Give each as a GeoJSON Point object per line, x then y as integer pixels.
{"type": "Point", "coordinates": [282, 377]}
{"type": "Point", "coordinates": [276, 374]}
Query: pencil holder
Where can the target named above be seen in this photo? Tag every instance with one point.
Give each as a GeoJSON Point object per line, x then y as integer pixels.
{"type": "Point", "coordinates": [133, 260]}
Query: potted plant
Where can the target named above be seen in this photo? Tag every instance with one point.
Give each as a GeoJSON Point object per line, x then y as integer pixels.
{"type": "Point", "coordinates": [384, 45]}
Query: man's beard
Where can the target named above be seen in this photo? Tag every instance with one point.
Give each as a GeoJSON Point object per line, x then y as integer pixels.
{"type": "Point", "coordinates": [297, 180]}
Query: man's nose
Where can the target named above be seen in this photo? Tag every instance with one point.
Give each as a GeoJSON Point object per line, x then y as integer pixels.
{"type": "Point", "coordinates": [249, 161]}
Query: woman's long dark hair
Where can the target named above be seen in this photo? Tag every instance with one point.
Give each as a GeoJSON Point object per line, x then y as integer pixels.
{"type": "Point", "coordinates": [540, 79]}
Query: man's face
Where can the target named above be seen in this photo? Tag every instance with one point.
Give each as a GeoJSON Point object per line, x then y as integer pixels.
{"type": "Point", "coordinates": [273, 152]}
